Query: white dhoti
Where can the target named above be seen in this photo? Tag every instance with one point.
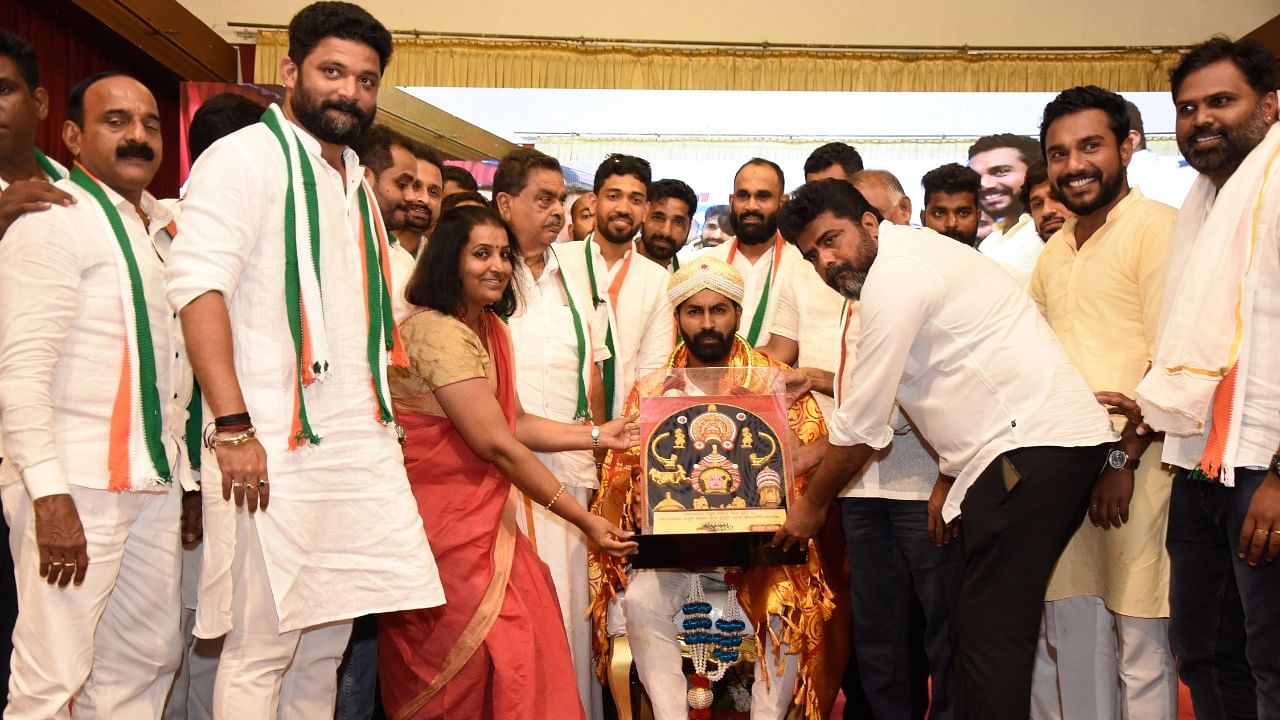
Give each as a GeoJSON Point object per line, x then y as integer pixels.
{"type": "Point", "coordinates": [1092, 664]}
{"type": "Point", "coordinates": [652, 601]}
{"type": "Point", "coordinates": [563, 548]}
{"type": "Point", "coordinates": [111, 645]}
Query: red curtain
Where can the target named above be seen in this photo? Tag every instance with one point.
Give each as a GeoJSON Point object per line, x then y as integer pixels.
{"type": "Point", "coordinates": [73, 45]}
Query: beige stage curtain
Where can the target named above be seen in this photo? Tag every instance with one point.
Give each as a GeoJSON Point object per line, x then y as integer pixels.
{"type": "Point", "coordinates": [488, 63]}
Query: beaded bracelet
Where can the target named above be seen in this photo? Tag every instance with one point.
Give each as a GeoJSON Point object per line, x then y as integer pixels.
{"type": "Point", "coordinates": [554, 498]}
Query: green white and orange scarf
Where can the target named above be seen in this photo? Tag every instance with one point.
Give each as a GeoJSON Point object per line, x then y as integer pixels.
{"type": "Point", "coordinates": [136, 455]}
{"type": "Point", "coordinates": [304, 297]}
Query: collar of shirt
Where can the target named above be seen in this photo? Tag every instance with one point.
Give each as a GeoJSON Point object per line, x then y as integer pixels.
{"type": "Point", "coordinates": [1068, 229]}
{"type": "Point", "coordinates": [159, 214]}
{"type": "Point", "coordinates": [601, 265]}
{"type": "Point", "coordinates": [351, 162]}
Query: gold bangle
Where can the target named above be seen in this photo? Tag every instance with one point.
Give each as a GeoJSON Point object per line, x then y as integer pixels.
{"type": "Point", "coordinates": [554, 498]}
{"type": "Point", "coordinates": [215, 439]}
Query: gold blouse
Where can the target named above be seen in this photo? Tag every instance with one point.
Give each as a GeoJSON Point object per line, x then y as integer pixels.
{"type": "Point", "coordinates": [442, 350]}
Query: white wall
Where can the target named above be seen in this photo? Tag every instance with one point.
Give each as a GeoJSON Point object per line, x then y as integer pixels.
{"type": "Point", "coordinates": [914, 23]}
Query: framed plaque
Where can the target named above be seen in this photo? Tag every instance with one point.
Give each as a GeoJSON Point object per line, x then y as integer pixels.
{"type": "Point", "coordinates": [716, 477]}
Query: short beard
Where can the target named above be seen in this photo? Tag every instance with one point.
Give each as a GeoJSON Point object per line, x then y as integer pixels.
{"type": "Point", "coordinates": [754, 236]}
{"type": "Point", "coordinates": [414, 225]}
{"type": "Point", "coordinates": [970, 240]}
{"type": "Point", "coordinates": [714, 354]}
{"type": "Point", "coordinates": [312, 114]}
{"type": "Point", "coordinates": [603, 230]}
{"type": "Point", "coordinates": [1108, 191]}
{"type": "Point", "coordinates": [1238, 142]}
{"type": "Point", "coordinates": [658, 252]}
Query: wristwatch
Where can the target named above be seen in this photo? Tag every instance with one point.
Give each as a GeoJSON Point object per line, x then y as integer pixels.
{"type": "Point", "coordinates": [595, 437]}
{"type": "Point", "coordinates": [1275, 463]}
{"type": "Point", "coordinates": [1118, 459]}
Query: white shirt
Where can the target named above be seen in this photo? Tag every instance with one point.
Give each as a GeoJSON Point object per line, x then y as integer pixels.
{"type": "Point", "coordinates": [7, 474]}
{"type": "Point", "coordinates": [1260, 419]}
{"type": "Point", "coordinates": [969, 356]}
{"type": "Point", "coordinates": [1016, 249]}
{"type": "Point", "coordinates": [753, 277]}
{"type": "Point", "coordinates": [545, 345]}
{"type": "Point", "coordinates": [1160, 178]}
{"type": "Point", "coordinates": [643, 322]}
{"type": "Point", "coordinates": [402, 264]}
{"type": "Point", "coordinates": [62, 339]}
{"type": "Point", "coordinates": [343, 537]}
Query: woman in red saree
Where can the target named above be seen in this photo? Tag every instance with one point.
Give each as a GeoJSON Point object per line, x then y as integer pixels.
{"type": "Point", "coordinates": [497, 648]}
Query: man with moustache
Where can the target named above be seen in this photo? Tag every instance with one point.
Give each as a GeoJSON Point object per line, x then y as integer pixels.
{"type": "Point", "coordinates": [835, 160]}
{"type": "Point", "coordinates": [94, 385]}
{"type": "Point", "coordinates": [558, 337]}
{"type": "Point", "coordinates": [391, 169]}
{"type": "Point", "coordinates": [788, 607]}
{"type": "Point", "coordinates": [423, 209]}
{"type": "Point", "coordinates": [666, 225]}
{"type": "Point", "coordinates": [899, 580]}
{"type": "Point", "coordinates": [951, 202]}
{"type": "Point", "coordinates": [640, 332]}
{"type": "Point", "coordinates": [1212, 387]}
{"type": "Point", "coordinates": [582, 217]}
{"type": "Point", "coordinates": [1100, 284]}
{"type": "Point", "coordinates": [1001, 161]}
{"type": "Point", "coordinates": [943, 328]}
{"type": "Point", "coordinates": [758, 251]}
{"type": "Point", "coordinates": [1047, 212]}
{"type": "Point", "coordinates": [323, 527]}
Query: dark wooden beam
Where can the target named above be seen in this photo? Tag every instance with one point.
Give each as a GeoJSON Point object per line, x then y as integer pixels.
{"type": "Point", "coordinates": [170, 34]}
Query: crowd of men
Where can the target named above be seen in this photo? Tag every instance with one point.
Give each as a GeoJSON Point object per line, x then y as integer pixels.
{"type": "Point", "coordinates": [1051, 445]}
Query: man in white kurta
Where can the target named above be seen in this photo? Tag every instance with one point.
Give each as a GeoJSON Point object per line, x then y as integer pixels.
{"type": "Point", "coordinates": [342, 536]}
{"type": "Point", "coordinates": [758, 251]}
{"type": "Point", "coordinates": [557, 377]}
{"type": "Point", "coordinates": [1100, 284]}
{"type": "Point", "coordinates": [76, 317]}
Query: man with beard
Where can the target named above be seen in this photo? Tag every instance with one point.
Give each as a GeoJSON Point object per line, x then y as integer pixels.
{"type": "Point", "coordinates": [666, 225]}
{"type": "Point", "coordinates": [281, 283]}
{"type": "Point", "coordinates": [899, 580]}
{"type": "Point", "coordinates": [582, 217]}
{"type": "Point", "coordinates": [788, 607]}
{"type": "Point", "coordinates": [1047, 212]}
{"type": "Point", "coordinates": [640, 333]}
{"type": "Point", "coordinates": [558, 341]}
{"type": "Point", "coordinates": [1221, 308]}
{"type": "Point", "coordinates": [951, 202]}
{"type": "Point", "coordinates": [423, 211]}
{"type": "Point", "coordinates": [758, 252]}
{"type": "Point", "coordinates": [94, 385]}
{"type": "Point", "coordinates": [391, 169]}
{"type": "Point", "coordinates": [1100, 284]}
{"type": "Point", "coordinates": [944, 328]}
{"type": "Point", "coordinates": [1001, 162]}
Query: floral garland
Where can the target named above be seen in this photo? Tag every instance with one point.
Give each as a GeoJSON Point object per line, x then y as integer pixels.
{"type": "Point", "coordinates": [707, 645]}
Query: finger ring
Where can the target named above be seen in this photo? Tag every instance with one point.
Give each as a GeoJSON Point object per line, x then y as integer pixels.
{"type": "Point", "coordinates": [1259, 530]}
{"type": "Point", "coordinates": [1275, 532]}
{"type": "Point", "coordinates": [236, 483]}
{"type": "Point", "coordinates": [262, 483]}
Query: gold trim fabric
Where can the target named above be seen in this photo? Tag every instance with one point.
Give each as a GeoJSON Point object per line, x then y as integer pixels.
{"type": "Point", "coordinates": [503, 64]}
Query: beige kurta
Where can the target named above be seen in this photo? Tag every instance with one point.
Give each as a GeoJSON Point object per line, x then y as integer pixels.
{"type": "Point", "coordinates": [1103, 301]}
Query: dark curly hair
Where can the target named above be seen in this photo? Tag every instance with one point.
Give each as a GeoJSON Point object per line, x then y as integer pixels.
{"type": "Point", "coordinates": [833, 153]}
{"type": "Point", "coordinates": [952, 179]}
{"type": "Point", "coordinates": [1252, 58]}
{"type": "Point", "coordinates": [1087, 97]}
{"type": "Point", "coordinates": [812, 199]}
{"type": "Point", "coordinates": [16, 48]}
{"type": "Point", "coordinates": [341, 20]}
